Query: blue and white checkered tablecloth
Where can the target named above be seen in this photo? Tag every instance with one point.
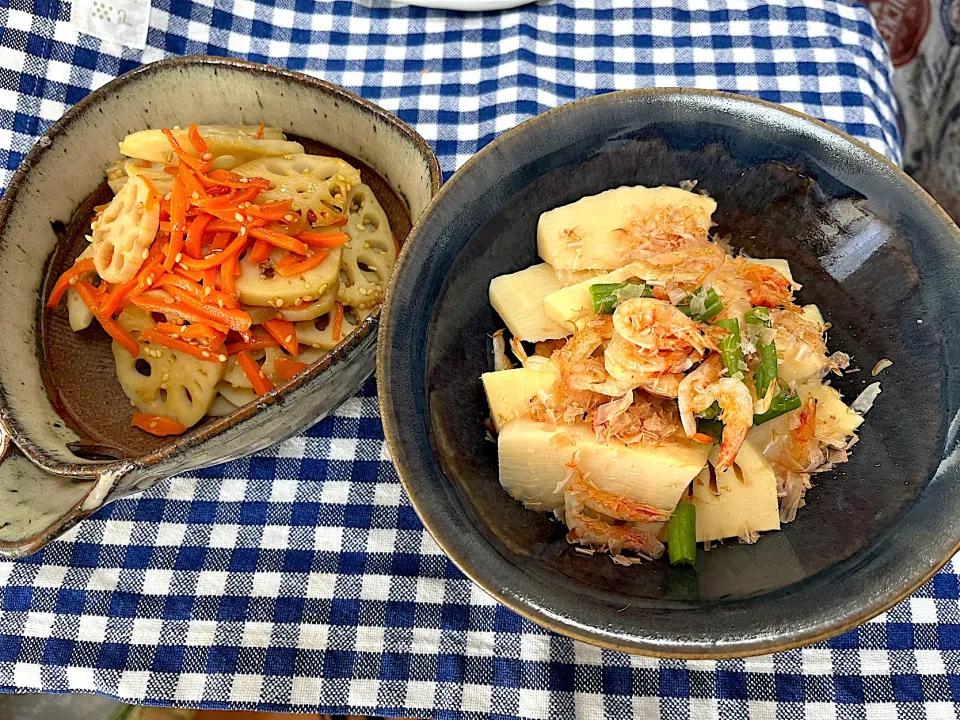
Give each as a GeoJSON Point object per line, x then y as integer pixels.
{"type": "Point", "coordinates": [300, 578]}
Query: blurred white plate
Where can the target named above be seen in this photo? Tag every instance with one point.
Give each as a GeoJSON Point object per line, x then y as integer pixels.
{"type": "Point", "coordinates": [467, 5]}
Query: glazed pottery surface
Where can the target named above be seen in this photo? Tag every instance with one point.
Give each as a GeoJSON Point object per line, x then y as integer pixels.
{"type": "Point", "coordinates": [868, 246]}
{"type": "Point", "coordinates": [52, 381]}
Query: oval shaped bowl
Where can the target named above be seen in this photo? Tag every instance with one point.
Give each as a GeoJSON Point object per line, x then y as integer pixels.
{"type": "Point", "coordinates": [38, 501]}
{"type": "Point", "coordinates": [870, 248]}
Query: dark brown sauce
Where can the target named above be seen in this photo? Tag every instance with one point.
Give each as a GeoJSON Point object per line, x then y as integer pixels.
{"type": "Point", "coordinates": [78, 368]}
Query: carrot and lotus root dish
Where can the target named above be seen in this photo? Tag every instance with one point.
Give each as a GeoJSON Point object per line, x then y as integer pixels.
{"type": "Point", "coordinates": [226, 263]}
{"type": "Point", "coordinates": [669, 391]}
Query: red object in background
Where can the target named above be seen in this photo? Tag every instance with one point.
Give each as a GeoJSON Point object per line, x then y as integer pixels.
{"type": "Point", "coordinates": [903, 25]}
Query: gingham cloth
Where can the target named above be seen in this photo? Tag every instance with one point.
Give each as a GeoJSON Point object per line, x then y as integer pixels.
{"type": "Point", "coordinates": [300, 578]}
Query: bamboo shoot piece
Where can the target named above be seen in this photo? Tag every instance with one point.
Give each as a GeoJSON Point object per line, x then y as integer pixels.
{"type": "Point", "coordinates": [510, 392]}
{"type": "Point", "coordinates": [534, 461]}
{"type": "Point", "coordinates": [609, 230]}
{"type": "Point", "coordinates": [518, 298]}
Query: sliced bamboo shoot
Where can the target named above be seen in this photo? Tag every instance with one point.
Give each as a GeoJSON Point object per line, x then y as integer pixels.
{"type": "Point", "coordinates": [569, 305]}
{"type": "Point", "coordinates": [609, 230]}
{"type": "Point", "coordinates": [510, 392]}
{"type": "Point", "coordinates": [534, 461]}
{"type": "Point", "coordinates": [518, 298]}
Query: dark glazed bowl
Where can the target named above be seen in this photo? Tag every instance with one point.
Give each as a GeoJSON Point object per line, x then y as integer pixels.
{"type": "Point", "coordinates": [65, 442]}
{"type": "Point", "coordinates": [876, 254]}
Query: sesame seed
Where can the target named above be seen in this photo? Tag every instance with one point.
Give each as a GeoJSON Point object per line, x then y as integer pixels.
{"type": "Point", "coordinates": [183, 266]}
{"type": "Point", "coordinates": [150, 280]}
{"type": "Point", "coordinates": [145, 254]}
{"type": "Point", "coordinates": [178, 257]}
{"type": "Point", "coordinates": [220, 302]}
{"type": "Point", "coordinates": [169, 301]}
{"type": "Point", "coordinates": [288, 338]}
{"type": "Point", "coordinates": [249, 219]}
{"type": "Point", "coordinates": [243, 230]}
{"type": "Point", "coordinates": [73, 280]}
{"type": "Point", "coordinates": [222, 358]}
{"type": "Point", "coordinates": [163, 386]}
{"type": "Point", "coordinates": [177, 127]}
{"type": "Point", "coordinates": [183, 329]}
{"type": "Point", "coordinates": [238, 217]}
{"type": "Point", "coordinates": [167, 197]}
{"type": "Point", "coordinates": [207, 290]}
{"type": "Point", "coordinates": [195, 195]}
{"type": "Point", "coordinates": [207, 156]}
{"type": "Point", "coordinates": [289, 217]}
{"type": "Point", "coordinates": [166, 376]}
{"type": "Point", "coordinates": [205, 353]}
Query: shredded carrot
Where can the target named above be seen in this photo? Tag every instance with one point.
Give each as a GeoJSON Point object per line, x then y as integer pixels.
{"type": "Point", "coordinates": [194, 275]}
{"type": "Point", "coordinates": [278, 239]}
{"type": "Point", "coordinates": [323, 240]}
{"type": "Point", "coordinates": [146, 164]}
{"type": "Point", "coordinates": [284, 368]}
{"type": "Point", "coordinates": [234, 199]}
{"type": "Point", "coordinates": [157, 425]}
{"type": "Point", "coordinates": [288, 259]}
{"type": "Point", "coordinates": [185, 158]}
{"type": "Point", "coordinates": [337, 329]}
{"type": "Point", "coordinates": [195, 191]}
{"type": "Point", "coordinates": [228, 284]}
{"type": "Point", "coordinates": [180, 311]}
{"type": "Point", "coordinates": [199, 144]}
{"type": "Point", "coordinates": [64, 281]}
{"type": "Point", "coordinates": [210, 279]}
{"type": "Point", "coordinates": [193, 331]}
{"type": "Point", "coordinates": [300, 266]}
{"type": "Point", "coordinates": [230, 213]}
{"type": "Point", "coordinates": [260, 252]}
{"type": "Point", "coordinates": [230, 226]}
{"type": "Point", "coordinates": [220, 241]}
{"type": "Point", "coordinates": [183, 346]}
{"type": "Point", "coordinates": [332, 221]}
{"type": "Point", "coordinates": [185, 283]}
{"type": "Point", "coordinates": [232, 180]}
{"type": "Point", "coordinates": [231, 317]}
{"type": "Point", "coordinates": [117, 297]}
{"type": "Point", "coordinates": [195, 234]}
{"type": "Point", "coordinates": [215, 259]}
{"type": "Point", "coordinates": [154, 193]}
{"type": "Point", "coordinates": [270, 211]}
{"type": "Point", "coordinates": [259, 133]}
{"type": "Point", "coordinates": [261, 383]}
{"type": "Point", "coordinates": [178, 222]}
{"type": "Point", "coordinates": [152, 269]}
{"type": "Point", "coordinates": [284, 333]}
{"type": "Point", "coordinates": [90, 298]}
{"type": "Point", "coordinates": [257, 342]}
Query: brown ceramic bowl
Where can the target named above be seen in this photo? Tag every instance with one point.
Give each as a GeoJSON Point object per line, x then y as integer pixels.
{"type": "Point", "coordinates": [67, 444]}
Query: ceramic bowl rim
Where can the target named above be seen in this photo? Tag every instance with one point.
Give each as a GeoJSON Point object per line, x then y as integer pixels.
{"type": "Point", "coordinates": [537, 614]}
{"type": "Point", "coordinates": [197, 436]}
